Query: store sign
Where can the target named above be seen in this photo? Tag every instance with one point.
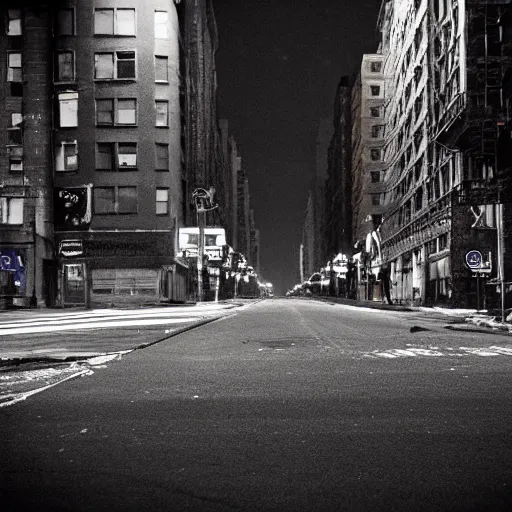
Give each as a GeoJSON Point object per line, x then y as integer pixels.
{"type": "Point", "coordinates": [68, 248]}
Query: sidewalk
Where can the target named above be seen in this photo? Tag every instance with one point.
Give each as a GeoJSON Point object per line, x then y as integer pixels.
{"type": "Point", "coordinates": [43, 335]}
{"type": "Point", "coordinates": [469, 320]}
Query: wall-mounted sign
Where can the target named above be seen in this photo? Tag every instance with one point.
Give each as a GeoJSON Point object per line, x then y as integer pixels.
{"type": "Point", "coordinates": [474, 259]}
{"type": "Point", "coordinates": [68, 248]}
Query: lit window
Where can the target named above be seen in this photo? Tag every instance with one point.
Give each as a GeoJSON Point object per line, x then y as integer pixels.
{"type": "Point", "coordinates": [161, 69]}
{"type": "Point", "coordinates": [114, 22]}
{"type": "Point", "coordinates": [162, 201]}
{"type": "Point", "coordinates": [13, 22]}
{"type": "Point", "coordinates": [64, 67]}
{"type": "Point", "coordinates": [161, 18]}
{"type": "Point", "coordinates": [118, 65]}
{"type": "Point", "coordinates": [11, 210]}
{"type": "Point", "coordinates": [162, 113]}
{"type": "Point", "coordinates": [115, 200]}
{"type": "Point", "coordinates": [375, 90]}
{"type": "Point", "coordinates": [66, 156]}
{"type": "Point", "coordinates": [162, 157]}
{"type": "Point", "coordinates": [14, 67]}
{"type": "Point", "coordinates": [65, 22]}
{"type": "Point", "coordinates": [68, 109]}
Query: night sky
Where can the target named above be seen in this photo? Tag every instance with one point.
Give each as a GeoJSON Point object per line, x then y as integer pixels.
{"type": "Point", "coordinates": [278, 65]}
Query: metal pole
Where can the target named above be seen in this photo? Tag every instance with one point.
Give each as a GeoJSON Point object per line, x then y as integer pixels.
{"type": "Point", "coordinates": [501, 266]}
{"type": "Point", "coordinates": [200, 254]}
{"type": "Point", "coordinates": [478, 291]}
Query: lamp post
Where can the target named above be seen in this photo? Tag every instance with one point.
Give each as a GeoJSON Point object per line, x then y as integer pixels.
{"type": "Point", "coordinates": [203, 201]}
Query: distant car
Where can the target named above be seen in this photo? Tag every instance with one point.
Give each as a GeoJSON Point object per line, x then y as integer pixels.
{"type": "Point", "coordinates": [314, 283]}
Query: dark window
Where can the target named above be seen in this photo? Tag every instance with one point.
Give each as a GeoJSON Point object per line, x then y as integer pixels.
{"type": "Point", "coordinates": [375, 175]}
{"type": "Point", "coordinates": [65, 22]}
{"type": "Point", "coordinates": [64, 66]}
{"type": "Point", "coordinates": [375, 154]}
{"type": "Point", "coordinates": [162, 157]}
{"type": "Point", "coordinates": [115, 200]}
{"type": "Point", "coordinates": [375, 112]}
{"type": "Point", "coordinates": [375, 66]}
{"type": "Point", "coordinates": [375, 90]}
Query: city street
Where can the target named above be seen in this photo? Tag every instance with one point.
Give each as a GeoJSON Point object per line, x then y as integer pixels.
{"type": "Point", "coordinates": [286, 404]}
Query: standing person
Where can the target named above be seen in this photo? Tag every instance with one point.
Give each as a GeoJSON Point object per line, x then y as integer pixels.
{"type": "Point", "coordinates": [385, 282]}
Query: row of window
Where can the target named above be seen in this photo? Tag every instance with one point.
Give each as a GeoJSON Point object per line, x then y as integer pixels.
{"type": "Point", "coordinates": [110, 156]}
{"type": "Point", "coordinates": [111, 65]}
{"type": "Point", "coordinates": [109, 111]}
{"type": "Point", "coordinates": [113, 200]}
{"type": "Point", "coordinates": [119, 21]}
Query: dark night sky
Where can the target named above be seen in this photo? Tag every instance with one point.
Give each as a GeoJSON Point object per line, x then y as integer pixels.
{"type": "Point", "coordinates": [278, 65]}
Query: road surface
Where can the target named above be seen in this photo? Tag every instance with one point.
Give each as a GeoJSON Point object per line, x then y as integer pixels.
{"type": "Point", "coordinates": [290, 404]}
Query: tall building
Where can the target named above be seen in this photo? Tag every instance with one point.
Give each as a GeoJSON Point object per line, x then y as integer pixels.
{"type": "Point", "coordinates": [446, 66]}
{"type": "Point", "coordinates": [338, 186]}
{"type": "Point", "coordinates": [92, 150]}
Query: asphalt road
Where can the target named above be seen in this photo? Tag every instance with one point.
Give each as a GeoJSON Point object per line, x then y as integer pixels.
{"type": "Point", "coordinates": [288, 405]}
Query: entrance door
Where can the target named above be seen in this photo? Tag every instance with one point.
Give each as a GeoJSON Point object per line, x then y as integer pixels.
{"type": "Point", "coordinates": [73, 286]}
{"type": "Point", "coordinates": [49, 282]}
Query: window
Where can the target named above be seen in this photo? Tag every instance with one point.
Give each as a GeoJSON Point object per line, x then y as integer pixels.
{"type": "Point", "coordinates": [11, 210]}
{"type": "Point", "coordinates": [375, 199]}
{"type": "Point", "coordinates": [15, 158]}
{"type": "Point", "coordinates": [105, 112]}
{"type": "Point", "coordinates": [119, 22]}
{"type": "Point", "coordinates": [375, 176]}
{"type": "Point", "coordinates": [13, 66]}
{"type": "Point", "coordinates": [161, 18]}
{"type": "Point", "coordinates": [162, 112]}
{"type": "Point", "coordinates": [13, 22]}
{"type": "Point", "coordinates": [375, 90]}
{"type": "Point", "coordinates": [115, 200]}
{"type": "Point", "coordinates": [161, 68]}
{"type": "Point", "coordinates": [375, 112]}
{"type": "Point", "coordinates": [68, 109]}
{"type": "Point", "coordinates": [162, 201]}
{"type": "Point", "coordinates": [64, 66]}
{"type": "Point", "coordinates": [375, 154]}
{"type": "Point", "coordinates": [443, 242]}
{"type": "Point", "coordinates": [118, 112]}
{"type": "Point", "coordinates": [118, 65]}
{"type": "Point", "coordinates": [116, 156]}
{"type": "Point", "coordinates": [377, 131]}
{"type": "Point", "coordinates": [65, 22]}
{"type": "Point", "coordinates": [375, 66]}
{"type": "Point", "coordinates": [66, 156]}
{"type": "Point", "coordinates": [162, 157]}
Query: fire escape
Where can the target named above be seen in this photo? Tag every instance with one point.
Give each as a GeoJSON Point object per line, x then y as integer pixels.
{"type": "Point", "coordinates": [485, 118]}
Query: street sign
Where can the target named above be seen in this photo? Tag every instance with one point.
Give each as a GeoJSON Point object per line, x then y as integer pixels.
{"type": "Point", "coordinates": [474, 260]}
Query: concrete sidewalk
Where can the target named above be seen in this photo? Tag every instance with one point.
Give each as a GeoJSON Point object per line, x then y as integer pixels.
{"type": "Point", "coordinates": [44, 335]}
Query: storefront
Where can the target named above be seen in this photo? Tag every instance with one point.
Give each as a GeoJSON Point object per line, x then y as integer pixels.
{"type": "Point", "coordinates": [12, 276]}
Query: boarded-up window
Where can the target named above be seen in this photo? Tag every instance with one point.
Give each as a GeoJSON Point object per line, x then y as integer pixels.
{"type": "Point", "coordinates": [127, 200]}
{"type": "Point", "coordinates": [104, 200]}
